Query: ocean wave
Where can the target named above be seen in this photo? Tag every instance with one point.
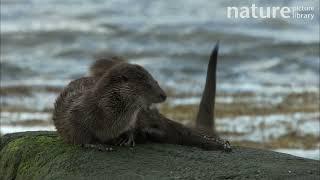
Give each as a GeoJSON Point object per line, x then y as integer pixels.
{"type": "Point", "coordinates": [11, 71]}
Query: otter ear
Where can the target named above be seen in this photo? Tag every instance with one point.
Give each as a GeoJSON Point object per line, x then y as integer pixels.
{"type": "Point", "coordinates": [124, 78]}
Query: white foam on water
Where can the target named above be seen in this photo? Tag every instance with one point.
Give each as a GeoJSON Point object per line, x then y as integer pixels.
{"type": "Point", "coordinates": [7, 117]}
{"type": "Point", "coordinates": [37, 81]}
{"type": "Point", "coordinates": [260, 88]}
{"type": "Point", "coordinates": [306, 153]}
{"type": "Point", "coordinates": [265, 128]}
{"type": "Point", "coordinates": [6, 129]}
{"type": "Point", "coordinates": [38, 101]}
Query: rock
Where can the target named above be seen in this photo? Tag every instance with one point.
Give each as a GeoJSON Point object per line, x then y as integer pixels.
{"type": "Point", "coordinates": [43, 155]}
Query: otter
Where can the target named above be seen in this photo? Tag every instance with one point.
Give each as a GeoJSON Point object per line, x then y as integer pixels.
{"type": "Point", "coordinates": [151, 126]}
{"type": "Point", "coordinates": [104, 63]}
{"type": "Point", "coordinates": [155, 127]}
{"type": "Point", "coordinates": [97, 110]}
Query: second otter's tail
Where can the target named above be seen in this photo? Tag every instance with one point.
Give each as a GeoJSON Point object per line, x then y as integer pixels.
{"type": "Point", "coordinates": [205, 118]}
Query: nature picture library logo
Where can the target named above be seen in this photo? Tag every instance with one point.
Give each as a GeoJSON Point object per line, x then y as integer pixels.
{"type": "Point", "coordinates": [253, 11]}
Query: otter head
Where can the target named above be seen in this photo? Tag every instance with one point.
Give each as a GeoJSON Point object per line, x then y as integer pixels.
{"type": "Point", "coordinates": [134, 82]}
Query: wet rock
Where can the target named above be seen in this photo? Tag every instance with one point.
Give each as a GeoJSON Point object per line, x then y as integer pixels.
{"type": "Point", "coordinates": [43, 155]}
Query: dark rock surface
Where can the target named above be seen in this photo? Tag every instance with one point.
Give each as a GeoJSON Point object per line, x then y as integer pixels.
{"type": "Point", "coordinates": [42, 155]}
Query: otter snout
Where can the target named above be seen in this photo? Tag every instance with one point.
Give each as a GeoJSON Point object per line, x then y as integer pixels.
{"type": "Point", "coordinates": [160, 96]}
{"type": "Point", "coordinates": [163, 96]}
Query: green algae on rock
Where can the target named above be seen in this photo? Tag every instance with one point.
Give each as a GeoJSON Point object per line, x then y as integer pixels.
{"type": "Point", "coordinates": [43, 155]}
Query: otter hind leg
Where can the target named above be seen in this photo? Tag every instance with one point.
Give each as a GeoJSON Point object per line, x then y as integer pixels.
{"type": "Point", "coordinates": [157, 128]}
{"type": "Point", "coordinates": [217, 143]}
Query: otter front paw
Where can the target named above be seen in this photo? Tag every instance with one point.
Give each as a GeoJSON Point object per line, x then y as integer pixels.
{"type": "Point", "coordinates": [99, 147]}
{"type": "Point", "coordinates": [227, 146]}
{"type": "Point", "coordinates": [126, 139]}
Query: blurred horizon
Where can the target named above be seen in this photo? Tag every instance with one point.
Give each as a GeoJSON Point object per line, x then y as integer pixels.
{"type": "Point", "coordinates": [268, 69]}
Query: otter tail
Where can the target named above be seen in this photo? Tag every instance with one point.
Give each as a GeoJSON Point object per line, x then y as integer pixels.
{"type": "Point", "coordinates": [205, 118]}
{"type": "Point", "coordinates": [101, 65]}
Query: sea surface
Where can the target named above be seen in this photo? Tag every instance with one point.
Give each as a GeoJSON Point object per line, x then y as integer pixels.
{"type": "Point", "coordinates": [47, 43]}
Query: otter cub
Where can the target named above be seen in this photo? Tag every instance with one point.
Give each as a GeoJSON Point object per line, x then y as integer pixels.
{"type": "Point", "coordinates": [99, 111]}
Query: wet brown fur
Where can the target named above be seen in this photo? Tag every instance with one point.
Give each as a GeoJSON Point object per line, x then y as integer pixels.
{"type": "Point", "coordinates": [151, 125]}
{"type": "Point", "coordinates": [99, 109]}
{"type": "Point", "coordinates": [103, 64]}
